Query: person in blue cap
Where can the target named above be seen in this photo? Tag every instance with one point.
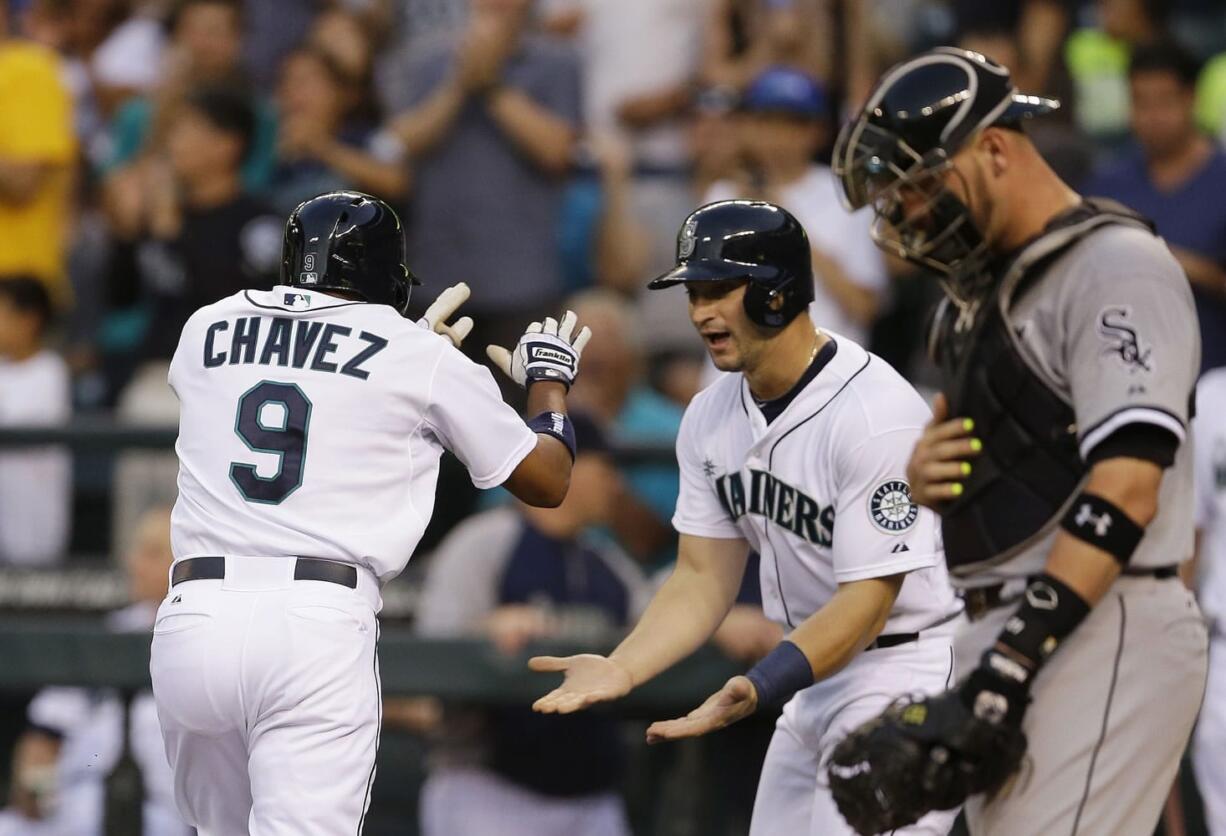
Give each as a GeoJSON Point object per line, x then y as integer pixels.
{"type": "Point", "coordinates": [785, 121]}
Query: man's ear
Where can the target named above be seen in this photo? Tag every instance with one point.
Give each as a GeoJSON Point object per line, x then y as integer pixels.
{"type": "Point", "coordinates": [994, 145]}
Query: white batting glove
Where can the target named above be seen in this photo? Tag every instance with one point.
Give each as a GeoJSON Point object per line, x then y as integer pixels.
{"type": "Point", "coordinates": [545, 352]}
{"type": "Point", "coordinates": [445, 305]}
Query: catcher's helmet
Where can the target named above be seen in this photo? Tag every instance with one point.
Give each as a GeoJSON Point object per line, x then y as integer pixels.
{"type": "Point", "coordinates": [347, 241]}
{"type": "Point", "coordinates": [752, 240]}
{"type": "Point", "coordinates": [919, 115]}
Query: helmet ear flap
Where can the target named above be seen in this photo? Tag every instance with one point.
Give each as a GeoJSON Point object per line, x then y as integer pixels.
{"type": "Point", "coordinates": [760, 307]}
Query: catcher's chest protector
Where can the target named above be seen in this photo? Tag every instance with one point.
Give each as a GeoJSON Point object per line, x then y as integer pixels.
{"type": "Point", "coordinates": [1030, 465]}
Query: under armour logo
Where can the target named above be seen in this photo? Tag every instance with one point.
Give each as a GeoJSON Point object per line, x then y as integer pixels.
{"type": "Point", "coordinates": [1086, 515]}
{"type": "Point", "coordinates": [708, 467]}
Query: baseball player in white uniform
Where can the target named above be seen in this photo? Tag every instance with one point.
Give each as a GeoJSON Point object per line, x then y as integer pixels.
{"type": "Point", "coordinates": [1209, 465]}
{"type": "Point", "coordinates": [800, 457]}
{"type": "Point", "coordinates": [313, 417]}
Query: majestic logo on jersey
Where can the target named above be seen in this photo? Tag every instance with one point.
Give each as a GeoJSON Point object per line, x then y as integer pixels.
{"type": "Point", "coordinates": [297, 301]}
{"type": "Point", "coordinates": [779, 502]}
{"type": "Point", "coordinates": [1121, 339]}
{"type": "Point", "coordinates": [686, 241]}
{"type": "Point", "coordinates": [890, 506]}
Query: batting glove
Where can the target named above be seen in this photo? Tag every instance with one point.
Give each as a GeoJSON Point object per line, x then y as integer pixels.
{"type": "Point", "coordinates": [545, 352]}
{"type": "Point", "coordinates": [447, 303]}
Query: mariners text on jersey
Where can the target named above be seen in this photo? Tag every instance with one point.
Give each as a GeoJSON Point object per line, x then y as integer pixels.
{"type": "Point", "coordinates": [779, 502]}
{"type": "Point", "coordinates": [297, 343]}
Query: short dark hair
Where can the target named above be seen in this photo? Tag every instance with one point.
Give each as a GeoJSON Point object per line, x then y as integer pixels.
{"type": "Point", "coordinates": [1166, 57]}
{"type": "Point", "coordinates": [28, 295]}
{"type": "Point", "coordinates": [227, 110]}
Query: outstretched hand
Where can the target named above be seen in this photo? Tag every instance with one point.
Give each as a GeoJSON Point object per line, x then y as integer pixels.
{"type": "Point", "coordinates": [735, 701]}
{"type": "Point", "coordinates": [444, 306]}
{"type": "Point", "coordinates": [589, 679]}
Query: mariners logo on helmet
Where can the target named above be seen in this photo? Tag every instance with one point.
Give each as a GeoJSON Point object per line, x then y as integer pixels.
{"type": "Point", "coordinates": [891, 508]}
{"type": "Point", "coordinates": [686, 241]}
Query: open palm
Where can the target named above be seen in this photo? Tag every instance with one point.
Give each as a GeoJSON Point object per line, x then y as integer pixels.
{"type": "Point", "coordinates": [589, 679]}
{"type": "Point", "coordinates": [736, 700]}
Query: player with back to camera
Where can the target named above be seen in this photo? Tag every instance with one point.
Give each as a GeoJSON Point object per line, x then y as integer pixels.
{"type": "Point", "coordinates": [313, 417]}
{"type": "Point", "coordinates": [1069, 350]}
{"type": "Point", "coordinates": [801, 457]}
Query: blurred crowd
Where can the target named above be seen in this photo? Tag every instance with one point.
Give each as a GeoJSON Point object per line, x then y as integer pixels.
{"type": "Point", "coordinates": [545, 152]}
{"type": "Point", "coordinates": [538, 149]}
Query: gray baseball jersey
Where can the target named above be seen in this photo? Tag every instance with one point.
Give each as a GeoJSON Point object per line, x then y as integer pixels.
{"type": "Point", "coordinates": [1111, 328]}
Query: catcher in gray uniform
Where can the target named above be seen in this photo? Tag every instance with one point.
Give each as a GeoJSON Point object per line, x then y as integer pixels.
{"type": "Point", "coordinates": [1056, 457]}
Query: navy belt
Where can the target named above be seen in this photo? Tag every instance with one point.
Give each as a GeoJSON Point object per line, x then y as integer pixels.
{"type": "Point", "coordinates": [213, 567]}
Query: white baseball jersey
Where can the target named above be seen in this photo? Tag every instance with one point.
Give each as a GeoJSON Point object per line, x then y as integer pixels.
{"type": "Point", "coordinates": [313, 426]}
{"type": "Point", "coordinates": [820, 493]}
{"type": "Point", "coordinates": [1209, 463]}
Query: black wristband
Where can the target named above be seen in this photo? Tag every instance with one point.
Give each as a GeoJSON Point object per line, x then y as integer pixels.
{"type": "Point", "coordinates": [557, 425]}
{"type": "Point", "coordinates": [783, 672]}
{"type": "Point", "coordinates": [1103, 525]}
{"type": "Point", "coordinates": [1049, 612]}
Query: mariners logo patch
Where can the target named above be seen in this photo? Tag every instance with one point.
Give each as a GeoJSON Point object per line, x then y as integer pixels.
{"type": "Point", "coordinates": [686, 241]}
{"type": "Point", "coordinates": [891, 508]}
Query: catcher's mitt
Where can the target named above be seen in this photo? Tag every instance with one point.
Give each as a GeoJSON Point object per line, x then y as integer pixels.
{"type": "Point", "coordinates": [917, 757]}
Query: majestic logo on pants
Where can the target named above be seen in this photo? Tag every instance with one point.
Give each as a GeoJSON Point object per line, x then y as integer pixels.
{"type": "Point", "coordinates": [782, 504]}
{"type": "Point", "coordinates": [891, 508]}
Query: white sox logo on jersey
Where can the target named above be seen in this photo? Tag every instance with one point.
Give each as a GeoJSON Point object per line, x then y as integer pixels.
{"type": "Point", "coordinates": [891, 508]}
{"type": "Point", "coordinates": [779, 502]}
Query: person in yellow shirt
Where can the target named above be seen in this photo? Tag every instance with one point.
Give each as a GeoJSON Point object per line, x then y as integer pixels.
{"type": "Point", "coordinates": [36, 152]}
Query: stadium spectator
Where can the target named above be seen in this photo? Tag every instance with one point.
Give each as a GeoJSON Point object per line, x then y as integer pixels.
{"type": "Point", "coordinates": [35, 483]}
{"type": "Point", "coordinates": [513, 575]}
{"type": "Point", "coordinates": [322, 143]}
{"type": "Point", "coordinates": [205, 49]}
{"type": "Point", "coordinates": [490, 121]}
{"type": "Point", "coordinates": [1097, 59]}
{"type": "Point", "coordinates": [75, 735]}
{"type": "Point", "coordinates": [745, 37]}
{"type": "Point", "coordinates": [36, 154]}
{"type": "Point", "coordinates": [641, 59]}
{"type": "Point", "coordinates": [613, 390]}
{"type": "Point", "coordinates": [785, 121]}
{"type": "Point", "coordinates": [1176, 176]}
{"type": "Point", "coordinates": [204, 237]}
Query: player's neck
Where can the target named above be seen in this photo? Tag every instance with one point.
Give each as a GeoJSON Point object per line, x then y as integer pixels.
{"type": "Point", "coordinates": [784, 359]}
{"type": "Point", "coordinates": [1049, 198]}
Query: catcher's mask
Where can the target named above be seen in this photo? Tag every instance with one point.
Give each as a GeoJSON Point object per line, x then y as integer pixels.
{"type": "Point", "coordinates": [896, 155]}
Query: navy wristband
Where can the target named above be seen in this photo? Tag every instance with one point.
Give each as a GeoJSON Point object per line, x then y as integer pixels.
{"type": "Point", "coordinates": [783, 672]}
{"type": "Point", "coordinates": [557, 425]}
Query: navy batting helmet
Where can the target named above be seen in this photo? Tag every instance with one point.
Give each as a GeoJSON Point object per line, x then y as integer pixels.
{"type": "Point", "coordinates": [752, 240]}
{"type": "Point", "coordinates": [351, 242]}
{"type": "Point", "coordinates": [919, 115]}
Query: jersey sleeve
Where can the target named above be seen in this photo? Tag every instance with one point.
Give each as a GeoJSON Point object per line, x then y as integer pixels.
{"type": "Point", "coordinates": [470, 418]}
{"type": "Point", "coordinates": [699, 510]}
{"type": "Point", "coordinates": [878, 529]}
{"type": "Point", "coordinates": [1132, 350]}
